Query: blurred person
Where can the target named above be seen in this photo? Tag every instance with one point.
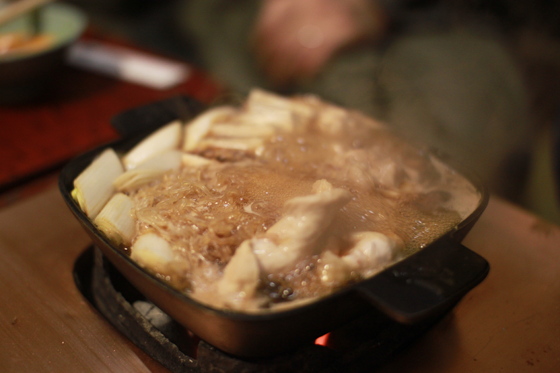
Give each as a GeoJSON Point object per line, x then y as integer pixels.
{"type": "Point", "coordinates": [294, 40]}
{"type": "Point", "coordinates": [441, 79]}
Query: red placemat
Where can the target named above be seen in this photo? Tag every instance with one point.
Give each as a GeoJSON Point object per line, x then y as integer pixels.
{"type": "Point", "coordinates": [75, 116]}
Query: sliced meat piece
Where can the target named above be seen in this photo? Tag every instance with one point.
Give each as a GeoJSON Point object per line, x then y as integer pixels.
{"type": "Point", "coordinates": [334, 270]}
{"type": "Point", "coordinates": [372, 251]}
{"type": "Point", "coordinates": [303, 230]}
{"type": "Point", "coordinates": [241, 276]}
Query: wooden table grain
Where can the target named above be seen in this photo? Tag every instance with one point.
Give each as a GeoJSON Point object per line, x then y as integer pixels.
{"type": "Point", "coordinates": [46, 325]}
{"type": "Point", "coordinates": [509, 323]}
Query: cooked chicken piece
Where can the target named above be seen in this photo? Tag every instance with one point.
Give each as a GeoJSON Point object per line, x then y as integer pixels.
{"type": "Point", "coordinates": [372, 251]}
{"type": "Point", "coordinates": [334, 271]}
{"type": "Point", "coordinates": [241, 276]}
{"type": "Point", "coordinates": [303, 230]}
{"type": "Point", "coordinates": [272, 257]}
{"type": "Point", "coordinates": [368, 168]}
{"type": "Point", "coordinates": [387, 174]}
{"type": "Point", "coordinates": [200, 126]}
{"type": "Point", "coordinates": [365, 121]}
{"type": "Point", "coordinates": [420, 180]}
{"type": "Point", "coordinates": [333, 120]}
{"type": "Point", "coordinates": [361, 167]}
{"type": "Point", "coordinates": [321, 186]}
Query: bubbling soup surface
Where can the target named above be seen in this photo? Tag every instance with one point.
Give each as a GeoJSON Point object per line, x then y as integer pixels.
{"type": "Point", "coordinates": [327, 200]}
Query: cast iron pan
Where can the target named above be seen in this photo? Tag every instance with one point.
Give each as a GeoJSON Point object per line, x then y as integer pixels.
{"type": "Point", "coordinates": [420, 288]}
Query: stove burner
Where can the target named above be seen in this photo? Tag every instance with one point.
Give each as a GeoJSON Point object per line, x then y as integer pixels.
{"type": "Point", "coordinates": [357, 347]}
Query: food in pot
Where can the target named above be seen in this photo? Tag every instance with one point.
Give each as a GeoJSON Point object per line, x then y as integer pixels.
{"type": "Point", "coordinates": [21, 42]}
{"type": "Point", "coordinates": [272, 204]}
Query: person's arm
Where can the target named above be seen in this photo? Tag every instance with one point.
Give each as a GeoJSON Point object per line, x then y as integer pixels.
{"type": "Point", "coordinates": [294, 39]}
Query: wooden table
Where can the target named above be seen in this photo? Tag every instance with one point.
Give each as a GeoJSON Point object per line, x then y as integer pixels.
{"type": "Point", "coordinates": [45, 323]}
{"type": "Point", "coordinates": [509, 323]}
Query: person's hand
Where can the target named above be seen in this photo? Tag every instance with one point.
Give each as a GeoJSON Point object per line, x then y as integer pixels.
{"type": "Point", "coordinates": [294, 39]}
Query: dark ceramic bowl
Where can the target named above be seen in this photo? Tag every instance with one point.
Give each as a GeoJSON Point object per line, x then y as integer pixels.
{"type": "Point", "coordinates": [26, 75]}
{"type": "Point", "coordinates": [420, 288]}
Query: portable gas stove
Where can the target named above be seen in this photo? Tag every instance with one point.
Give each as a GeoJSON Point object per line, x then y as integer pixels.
{"type": "Point", "coordinates": [357, 347]}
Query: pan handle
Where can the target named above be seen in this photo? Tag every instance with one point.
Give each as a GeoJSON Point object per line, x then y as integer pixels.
{"type": "Point", "coordinates": [154, 115]}
{"type": "Point", "coordinates": [427, 283]}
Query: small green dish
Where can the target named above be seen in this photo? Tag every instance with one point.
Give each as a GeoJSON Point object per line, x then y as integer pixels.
{"type": "Point", "coordinates": [26, 75]}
